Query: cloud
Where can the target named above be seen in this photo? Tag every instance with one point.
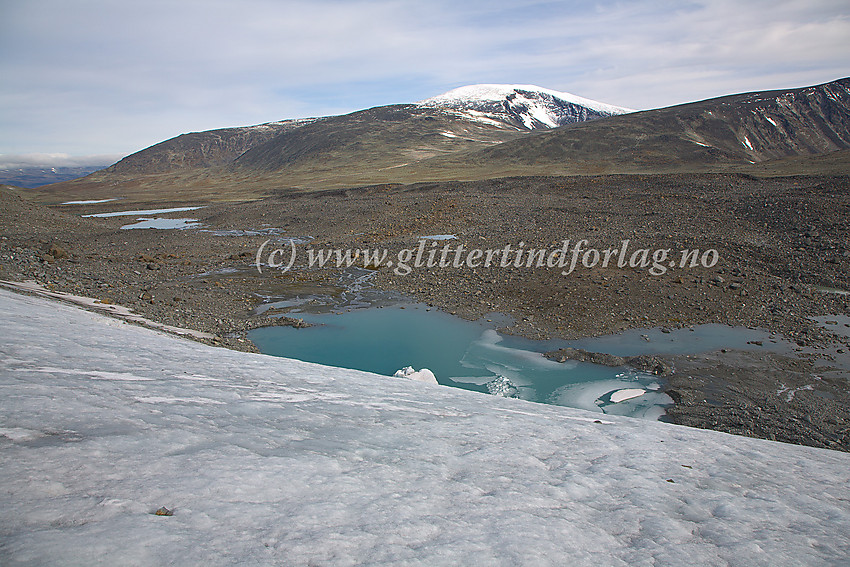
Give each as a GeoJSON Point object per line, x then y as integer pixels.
{"type": "Point", "coordinates": [100, 76]}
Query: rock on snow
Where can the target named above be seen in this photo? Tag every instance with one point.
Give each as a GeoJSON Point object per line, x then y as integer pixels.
{"type": "Point", "coordinates": [261, 460]}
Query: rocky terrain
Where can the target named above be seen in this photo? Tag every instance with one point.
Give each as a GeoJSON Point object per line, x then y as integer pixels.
{"type": "Point", "coordinates": [780, 243]}
{"type": "Point", "coordinates": [202, 149]}
{"type": "Point", "coordinates": [727, 133]}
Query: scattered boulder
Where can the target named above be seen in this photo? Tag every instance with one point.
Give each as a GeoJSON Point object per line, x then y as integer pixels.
{"type": "Point", "coordinates": [57, 252]}
{"type": "Point", "coordinates": [581, 355]}
{"type": "Point", "coordinates": [651, 364]}
{"type": "Point", "coordinates": [292, 322]}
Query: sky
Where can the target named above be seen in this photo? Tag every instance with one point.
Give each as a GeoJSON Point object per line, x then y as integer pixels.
{"type": "Point", "coordinates": [88, 80]}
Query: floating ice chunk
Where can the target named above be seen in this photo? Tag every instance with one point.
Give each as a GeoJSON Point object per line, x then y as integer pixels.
{"type": "Point", "coordinates": [423, 375]}
{"type": "Point", "coordinates": [626, 394]}
{"type": "Point", "coordinates": [587, 395]}
{"type": "Point", "coordinates": [501, 386]}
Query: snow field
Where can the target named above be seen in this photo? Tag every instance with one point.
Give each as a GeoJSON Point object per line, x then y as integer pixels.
{"type": "Point", "coordinates": [272, 461]}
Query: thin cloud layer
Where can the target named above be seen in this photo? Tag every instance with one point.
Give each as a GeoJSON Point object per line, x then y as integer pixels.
{"type": "Point", "coordinates": [114, 77]}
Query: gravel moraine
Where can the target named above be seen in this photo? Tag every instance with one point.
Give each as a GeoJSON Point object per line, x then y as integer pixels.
{"type": "Point", "coordinates": [783, 243]}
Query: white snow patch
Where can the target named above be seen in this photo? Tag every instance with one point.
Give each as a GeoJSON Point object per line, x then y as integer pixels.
{"type": "Point", "coordinates": [116, 310]}
{"type": "Point", "coordinates": [448, 134]}
{"type": "Point", "coordinates": [93, 374]}
{"type": "Point", "coordinates": [747, 143]}
{"type": "Point", "coordinates": [176, 400]}
{"type": "Point", "coordinates": [509, 106]}
{"type": "Point", "coordinates": [364, 469]}
{"type": "Point", "coordinates": [19, 434]}
{"type": "Point", "coordinates": [90, 202]}
{"type": "Point", "coordinates": [772, 121]}
{"type": "Point", "coordinates": [496, 92]}
{"type": "Point", "coordinates": [142, 212]}
{"type": "Point", "coordinates": [790, 392]}
{"type": "Point", "coordinates": [423, 375]}
{"type": "Point", "coordinates": [482, 117]}
{"type": "Point", "coordinates": [394, 166]}
{"type": "Point", "coordinates": [438, 237]}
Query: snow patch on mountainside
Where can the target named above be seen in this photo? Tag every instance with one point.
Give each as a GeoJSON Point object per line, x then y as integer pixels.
{"type": "Point", "coordinates": [522, 106]}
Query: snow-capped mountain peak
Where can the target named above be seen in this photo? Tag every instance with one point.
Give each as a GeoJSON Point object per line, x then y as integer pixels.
{"type": "Point", "coordinates": [523, 106]}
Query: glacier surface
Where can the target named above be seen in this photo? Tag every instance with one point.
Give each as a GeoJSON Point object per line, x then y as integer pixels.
{"type": "Point", "coordinates": [265, 461]}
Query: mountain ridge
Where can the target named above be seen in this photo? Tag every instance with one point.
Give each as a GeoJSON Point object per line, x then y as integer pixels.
{"type": "Point", "coordinates": [524, 106]}
{"type": "Point", "coordinates": [203, 149]}
{"type": "Point", "coordinates": [737, 130]}
{"type": "Point", "coordinates": [211, 148]}
{"type": "Point", "coordinates": [408, 143]}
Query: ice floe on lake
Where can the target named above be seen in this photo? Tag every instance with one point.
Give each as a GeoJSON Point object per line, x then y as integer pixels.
{"type": "Point", "coordinates": [423, 375]}
{"type": "Point", "coordinates": [163, 224]}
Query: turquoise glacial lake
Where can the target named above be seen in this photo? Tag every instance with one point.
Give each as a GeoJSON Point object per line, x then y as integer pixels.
{"type": "Point", "coordinates": [473, 356]}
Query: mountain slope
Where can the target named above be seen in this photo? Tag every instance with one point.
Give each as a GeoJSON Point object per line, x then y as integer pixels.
{"type": "Point", "coordinates": [526, 107]}
{"type": "Point", "coordinates": [380, 137]}
{"type": "Point", "coordinates": [202, 149]}
{"type": "Point", "coordinates": [738, 129]}
{"type": "Point", "coordinates": [480, 114]}
{"type": "Point", "coordinates": [395, 136]}
{"type": "Point", "coordinates": [272, 461]}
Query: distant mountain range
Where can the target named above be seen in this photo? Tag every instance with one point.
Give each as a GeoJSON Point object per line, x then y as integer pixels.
{"type": "Point", "coordinates": [484, 131]}
{"type": "Point", "coordinates": [35, 176]}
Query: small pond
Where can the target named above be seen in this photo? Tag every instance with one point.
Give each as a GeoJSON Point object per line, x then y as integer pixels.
{"type": "Point", "coordinates": [473, 356]}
